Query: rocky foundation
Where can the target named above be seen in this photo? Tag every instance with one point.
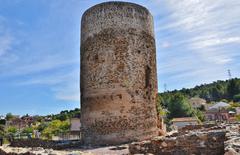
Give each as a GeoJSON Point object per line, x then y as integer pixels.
{"type": "Point", "coordinates": [202, 143]}
{"type": "Point", "coordinates": [222, 139]}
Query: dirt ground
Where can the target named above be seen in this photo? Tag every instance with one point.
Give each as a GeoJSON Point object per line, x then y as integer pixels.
{"type": "Point", "coordinates": [110, 150]}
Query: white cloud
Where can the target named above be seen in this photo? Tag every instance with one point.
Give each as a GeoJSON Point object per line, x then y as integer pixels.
{"type": "Point", "coordinates": [38, 58]}
{"type": "Point", "coordinates": [204, 36]}
{"type": "Point", "coordinates": [39, 65]}
{"type": "Point", "coordinates": [65, 85]}
{"type": "Point", "coordinates": [216, 42]}
{"type": "Point", "coordinates": [68, 93]}
{"type": "Point", "coordinates": [5, 44]}
{"type": "Point", "coordinates": [202, 20]}
{"type": "Point", "coordinates": [165, 44]}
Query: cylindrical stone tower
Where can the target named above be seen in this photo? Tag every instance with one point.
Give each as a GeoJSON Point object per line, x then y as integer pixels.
{"type": "Point", "coordinates": [118, 74]}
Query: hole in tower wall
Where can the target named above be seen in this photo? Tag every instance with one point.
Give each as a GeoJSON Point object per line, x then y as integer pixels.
{"type": "Point", "coordinates": [146, 92]}
{"type": "Point", "coordinates": [147, 76]}
{"type": "Point", "coordinates": [120, 96]}
{"type": "Point", "coordinates": [96, 57]}
{"type": "Point", "coordinates": [137, 92]}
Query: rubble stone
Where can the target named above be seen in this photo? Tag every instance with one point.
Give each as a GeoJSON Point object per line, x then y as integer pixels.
{"type": "Point", "coordinates": [195, 142]}
{"type": "Point", "coordinates": [232, 143]}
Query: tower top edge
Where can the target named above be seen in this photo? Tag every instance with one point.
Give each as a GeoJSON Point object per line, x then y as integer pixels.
{"type": "Point", "coordinates": [115, 3]}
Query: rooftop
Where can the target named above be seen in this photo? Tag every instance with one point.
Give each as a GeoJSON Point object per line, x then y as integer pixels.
{"type": "Point", "coordinates": [184, 119]}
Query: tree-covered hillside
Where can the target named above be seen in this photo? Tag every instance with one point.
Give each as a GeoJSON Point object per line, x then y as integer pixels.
{"type": "Point", "coordinates": [216, 91]}
{"type": "Point", "coordinates": [66, 114]}
{"type": "Point", "coordinates": [177, 104]}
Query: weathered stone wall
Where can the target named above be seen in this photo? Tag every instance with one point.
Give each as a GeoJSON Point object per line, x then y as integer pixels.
{"type": "Point", "coordinates": [47, 144]}
{"type": "Point", "coordinates": [118, 74]}
{"type": "Point", "coordinates": [198, 143]}
{"type": "Point", "coordinates": [198, 127]}
{"type": "Point", "coordinates": [11, 153]}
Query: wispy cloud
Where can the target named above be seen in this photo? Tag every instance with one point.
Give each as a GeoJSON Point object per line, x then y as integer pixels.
{"type": "Point", "coordinates": [204, 36]}
{"type": "Point", "coordinates": [165, 44]}
{"type": "Point", "coordinates": [40, 65]}
{"type": "Point", "coordinates": [65, 84]}
{"type": "Point", "coordinates": [208, 42]}
{"type": "Point", "coordinates": [69, 92]}
{"type": "Point", "coordinates": [40, 58]}
{"type": "Point", "coordinates": [6, 39]}
{"type": "Point", "coordinates": [5, 44]}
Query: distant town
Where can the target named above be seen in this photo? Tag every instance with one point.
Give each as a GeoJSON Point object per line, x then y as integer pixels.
{"type": "Point", "coordinates": [65, 125]}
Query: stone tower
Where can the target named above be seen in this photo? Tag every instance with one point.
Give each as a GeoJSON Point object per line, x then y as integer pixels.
{"type": "Point", "coordinates": [118, 74]}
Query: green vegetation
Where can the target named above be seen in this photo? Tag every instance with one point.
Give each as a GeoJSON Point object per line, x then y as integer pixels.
{"type": "Point", "coordinates": [236, 98]}
{"type": "Point", "coordinates": [9, 116]}
{"type": "Point", "coordinates": [2, 121]}
{"type": "Point", "coordinates": [2, 132]}
{"type": "Point", "coordinates": [64, 115]}
{"type": "Point", "coordinates": [177, 104]}
{"type": "Point", "coordinates": [12, 130]}
{"type": "Point", "coordinates": [28, 130]}
{"type": "Point", "coordinates": [238, 117]}
{"type": "Point", "coordinates": [216, 91]}
{"type": "Point", "coordinates": [55, 128]}
{"type": "Point", "coordinates": [48, 126]}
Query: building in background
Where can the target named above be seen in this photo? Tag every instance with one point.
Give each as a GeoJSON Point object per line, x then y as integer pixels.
{"type": "Point", "coordinates": [238, 110]}
{"type": "Point", "coordinates": [218, 112]}
{"type": "Point", "coordinates": [75, 132]}
{"type": "Point", "coordinates": [197, 102]}
{"type": "Point", "coordinates": [179, 123]}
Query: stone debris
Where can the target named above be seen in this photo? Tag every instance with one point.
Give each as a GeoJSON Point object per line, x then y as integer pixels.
{"type": "Point", "coordinates": [8, 150]}
{"type": "Point", "coordinates": [232, 144]}
{"type": "Point", "coordinates": [47, 144]}
{"type": "Point", "coordinates": [201, 139]}
{"type": "Point", "coordinates": [108, 150]}
{"type": "Point", "coordinates": [210, 143]}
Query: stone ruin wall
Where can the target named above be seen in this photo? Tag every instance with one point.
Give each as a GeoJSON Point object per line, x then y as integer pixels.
{"type": "Point", "coordinates": [201, 140]}
{"type": "Point", "coordinates": [201, 143]}
{"type": "Point", "coordinates": [118, 74]}
{"type": "Point", "coordinates": [208, 139]}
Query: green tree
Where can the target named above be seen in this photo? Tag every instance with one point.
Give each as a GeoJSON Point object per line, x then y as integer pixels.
{"type": "Point", "coordinates": [236, 98]}
{"type": "Point", "coordinates": [42, 126]}
{"type": "Point", "coordinates": [12, 130]}
{"type": "Point", "coordinates": [179, 106]}
{"type": "Point", "coordinates": [2, 121]}
{"type": "Point", "coordinates": [55, 128]}
{"type": "Point", "coordinates": [28, 130]}
{"type": "Point", "coordinates": [9, 116]}
{"type": "Point", "coordinates": [2, 131]}
{"type": "Point", "coordinates": [199, 114]}
{"type": "Point", "coordinates": [233, 88]}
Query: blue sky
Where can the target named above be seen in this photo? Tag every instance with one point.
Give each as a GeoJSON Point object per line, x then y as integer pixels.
{"type": "Point", "coordinates": [197, 42]}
